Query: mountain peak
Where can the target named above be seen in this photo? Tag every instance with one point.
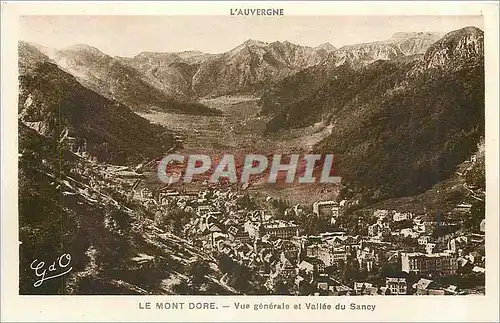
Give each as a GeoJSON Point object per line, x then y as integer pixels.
{"type": "Point", "coordinates": [284, 43]}
{"type": "Point", "coordinates": [326, 46]}
{"type": "Point", "coordinates": [404, 35]}
{"type": "Point", "coordinates": [30, 56]}
{"type": "Point", "coordinates": [191, 52]}
{"type": "Point", "coordinates": [247, 44]}
{"type": "Point", "coordinates": [458, 47]}
{"type": "Point", "coordinates": [466, 31]}
{"type": "Point", "coordinates": [253, 42]}
{"type": "Point", "coordinates": [414, 43]}
{"type": "Point", "coordinates": [84, 48]}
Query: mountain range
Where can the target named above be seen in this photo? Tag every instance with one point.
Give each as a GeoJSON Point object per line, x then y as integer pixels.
{"type": "Point", "coordinates": [173, 81]}
{"type": "Point", "coordinates": [57, 106]}
{"type": "Point", "coordinates": [405, 120]}
{"type": "Point", "coordinates": [420, 90]}
{"type": "Point", "coordinates": [399, 126]}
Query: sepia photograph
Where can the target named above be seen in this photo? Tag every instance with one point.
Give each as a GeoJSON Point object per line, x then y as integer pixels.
{"type": "Point", "coordinates": [251, 159]}
{"type": "Point", "coordinates": [397, 101]}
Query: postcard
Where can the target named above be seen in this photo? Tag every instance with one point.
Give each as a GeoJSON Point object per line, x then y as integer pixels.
{"type": "Point", "coordinates": [250, 161]}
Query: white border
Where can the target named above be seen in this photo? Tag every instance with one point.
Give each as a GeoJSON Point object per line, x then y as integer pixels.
{"type": "Point", "coordinates": [125, 308]}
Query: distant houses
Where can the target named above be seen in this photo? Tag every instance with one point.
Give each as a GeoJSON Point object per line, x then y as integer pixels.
{"type": "Point", "coordinates": [396, 285]}
{"type": "Point", "coordinates": [443, 263]}
{"type": "Point", "coordinates": [482, 225]}
{"type": "Point", "coordinates": [281, 229]}
{"type": "Point", "coordinates": [327, 209]}
{"type": "Point", "coordinates": [402, 242]}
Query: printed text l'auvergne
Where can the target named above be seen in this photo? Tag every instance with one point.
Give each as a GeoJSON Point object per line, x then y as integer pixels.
{"type": "Point", "coordinates": [256, 12]}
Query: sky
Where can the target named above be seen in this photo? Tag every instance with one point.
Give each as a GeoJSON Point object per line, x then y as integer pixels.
{"type": "Point", "coordinates": [131, 35]}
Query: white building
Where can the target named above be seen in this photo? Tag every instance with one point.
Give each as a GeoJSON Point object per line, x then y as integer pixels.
{"type": "Point", "coordinates": [401, 216]}
{"type": "Point", "coordinates": [327, 209]}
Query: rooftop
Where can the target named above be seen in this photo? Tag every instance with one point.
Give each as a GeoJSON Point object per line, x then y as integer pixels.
{"type": "Point", "coordinates": [281, 224]}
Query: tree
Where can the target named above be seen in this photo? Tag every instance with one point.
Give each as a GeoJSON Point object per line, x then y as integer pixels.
{"type": "Point", "coordinates": [312, 224]}
{"type": "Point", "coordinates": [477, 214]}
{"type": "Point", "coordinates": [281, 288]}
{"type": "Point", "coordinates": [350, 271]}
{"type": "Point", "coordinates": [182, 289]}
{"type": "Point", "coordinates": [197, 272]}
{"type": "Point", "coordinates": [305, 288]}
{"type": "Point", "coordinates": [242, 277]}
{"type": "Point", "coordinates": [226, 264]}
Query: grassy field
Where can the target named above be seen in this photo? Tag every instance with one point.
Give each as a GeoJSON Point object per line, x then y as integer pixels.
{"type": "Point", "coordinates": [240, 129]}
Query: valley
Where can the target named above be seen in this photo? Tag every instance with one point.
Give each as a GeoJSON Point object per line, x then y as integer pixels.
{"type": "Point", "coordinates": [241, 129]}
{"type": "Point", "coordinates": [403, 117]}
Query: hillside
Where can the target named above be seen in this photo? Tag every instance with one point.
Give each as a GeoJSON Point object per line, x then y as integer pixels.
{"type": "Point", "coordinates": [114, 245]}
{"type": "Point", "coordinates": [171, 72]}
{"type": "Point", "coordinates": [252, 65]}
{"type": "Point", "coordinates": [398, 126]}
{"type": "Point", "coordinates": [399, 45]}
{"type": "Point", "coordinates": [246, 68]}
{"type": "Point", "coordinates": [439, 204]}
{"type": "Point", "coordinates": [465, 185]}
{"type": "Point", "coordinates": [333, 75]}
{"type": "Point", "coordinates": [52, 102]}
{"type": "Point", "coordinates": [172, 81]}
{"type": "Point", "coordinates": [117, 81]}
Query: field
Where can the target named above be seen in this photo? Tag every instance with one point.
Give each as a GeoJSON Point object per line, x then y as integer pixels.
{"type": "Point", "coordinates": [240, 129]}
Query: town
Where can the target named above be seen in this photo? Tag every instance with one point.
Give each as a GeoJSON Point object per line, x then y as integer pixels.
{"type": "Point", "coordinates": [269, 246]}
{"type": "Point", "coordinates": [281, 249]}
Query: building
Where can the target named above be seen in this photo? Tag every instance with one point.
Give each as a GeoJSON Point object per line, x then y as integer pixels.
{"type": "Point", "coordinates": [422, 284]}
{"type": "Point", "coordinates": [326, 209]}
{"type": "Point", "coordinates": [380, 213]}
{"type": "Point", "coordinates": [377, 229]}
{"type": "Point", "coordinates": [408, 232]}
{"type": "Point", "coordinates": [366, 258]}
{"type": "Point", "coordinates": [240, 235]}
{"type": "Point", "coordinates": [421, 226]}
{"type": "Point", "coordinates": [397, 286]}
{"type": "Point", "coordinates": [351, 242]}
{"type": "Point", "coordinates": [318, 264]}
{"type": "Point", "coordinates": [306, 266]}
{"type": "Point", "coordinates": [331, 254]}
{"type": "Point", "coordinates": [437, 263]}
{"type": "Point", "coordinates": [374, 229]}
{"type": "Point", "coordinates": [430, 247]}
{"type": "Point", "coordinates": [165, 196]}
{"type": "Point", "coordinates": [398, 216]}
{"type": "Point", "coordinates": [476, 238]}
{"type": "Point", "coordinates": [458, 243]}
{"type": "Point", "coordinates": [253, 229]}
{"type": "Point", "coordinates": [285, 268]}
{"type": "Point", "coordinates": [312, 250]}
{"type": "Point", "coordinates": [424, 239]}
{"type": "Point", "coordinates": [329, 235]}
{"type": "Point", "coordinates": [327, 286]}
{"type": "Point", "coordinates": [291, 251]}
{"type": "Point", "coordinates": [421, 287]}
{"type": "Point", "coordinates": [361, 287]}
{"type": "Point", "coordinates": [282, 229]}
{"type": "Point", "coordinates": [203, 209]}
{"type": "Point", "coordinates": [463, 207]}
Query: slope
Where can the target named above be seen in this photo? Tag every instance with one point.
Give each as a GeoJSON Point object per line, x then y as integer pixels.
{"type": "Point", "coordinates": [398, 126]}
{"type": "Point", "coordinates": [69, 205]}
{"type": "Point", "coordinates": [57, 106]}
{"type": "Point", "coordinates": [117, 81]}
